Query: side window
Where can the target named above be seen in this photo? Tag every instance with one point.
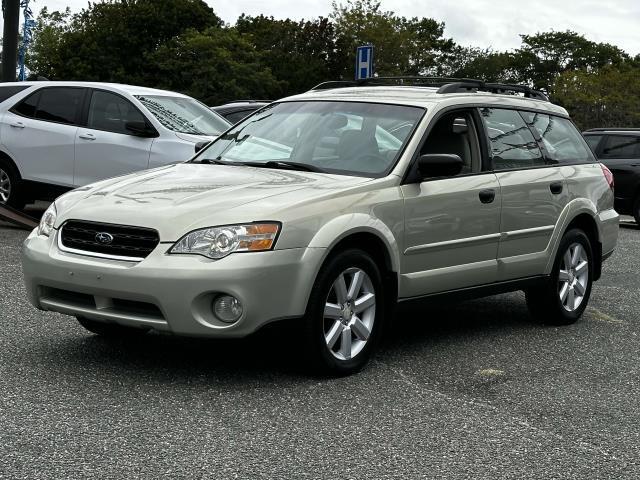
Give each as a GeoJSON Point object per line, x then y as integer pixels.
{"type": "Point", "coordinates": [235, 117]}
{"type": "Point", "coordinates": [563, 142]}
{"type": "Point", "coordinates": [27, 107]}
{"type": "Point", "coordinates": [8, 92]}
{"type": "Point", "coordinates": [621, 146]}
{"type": "Point", "coordinates": [111, 112]}
{"type": "Point", "coordinates": [455, 134]}
{"type": "Point", "coordinates": [60, 104]}
{"type": "Point", "coordinates": [512, 143]}
{"type": "Point", "coordinates": [593, 141]}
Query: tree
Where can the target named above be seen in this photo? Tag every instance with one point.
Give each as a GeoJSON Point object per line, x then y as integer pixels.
{"type": "Point", "coordinates": [402, 46]}
{"type": "Point", "coordinates": [44, 53]}
{"type": "Point", "coordinates": [215, 66]}
{"type": "Point", "coordinates": [299, 53]}
{"type": "Point", "coordinates": [108, 41]}
{"type": "Point", "coordinates": [609, 96]}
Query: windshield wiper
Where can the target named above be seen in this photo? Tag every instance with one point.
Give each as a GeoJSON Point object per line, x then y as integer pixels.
{"type": "Point", "coordinates": [217, 161]}
{"type": "Point", "coordinates": [305, 167]}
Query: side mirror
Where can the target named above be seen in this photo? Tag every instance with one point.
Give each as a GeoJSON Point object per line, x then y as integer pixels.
{"type": "Point", "coordinates": [200, 145]}
{"type": "Point", "coordinates": [439, 165]}
{"type": "Point", "coordinates": [140, 129]}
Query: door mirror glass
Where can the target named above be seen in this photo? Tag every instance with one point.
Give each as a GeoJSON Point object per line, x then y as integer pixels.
{"type": "Point", "coordinates": [140, 129]}
{"type": "Point", "coordinates": [433, 165]}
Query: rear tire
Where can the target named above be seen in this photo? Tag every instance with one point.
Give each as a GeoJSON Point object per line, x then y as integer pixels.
{"type": "Point", "coordinates": [111, 330]}
{"type": "Point", "coordinates": [565, 295]}
{"type": "Point", "coordinates": [10, 186]}
{"type": "Point", "coordinates": [345, 314]}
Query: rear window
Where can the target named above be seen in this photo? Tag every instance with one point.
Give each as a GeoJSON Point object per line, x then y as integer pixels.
{"type": "Point", "coordinates": [621, 146]}
{"type": "Point", "coordinates": [561, 139]}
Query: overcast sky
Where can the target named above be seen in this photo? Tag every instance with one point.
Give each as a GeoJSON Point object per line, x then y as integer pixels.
{"type": "Point", "coordinates": [481, 23]}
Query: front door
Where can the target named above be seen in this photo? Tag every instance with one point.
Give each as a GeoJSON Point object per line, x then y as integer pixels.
{"type": "Point", "coordinates": [105, 148]}
{"type": "Point", "coordinates": [452, 225]}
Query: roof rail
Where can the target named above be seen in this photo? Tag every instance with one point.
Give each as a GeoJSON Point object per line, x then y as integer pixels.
{"type": "Point", "coordinates": [444, 85]}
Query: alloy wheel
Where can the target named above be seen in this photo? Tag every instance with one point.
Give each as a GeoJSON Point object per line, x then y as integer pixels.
{"type": "Point", "coordinates": [5, 186]}
{"type": "Point", "coordinates": [349, 314]}
{"type": "Point", "coordinates": [573, 277]}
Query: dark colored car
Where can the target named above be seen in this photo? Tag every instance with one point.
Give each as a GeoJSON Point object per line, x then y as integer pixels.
{"type": "Point", "coordinates": [239, 109]}
{"type": "Point", "coordinates": [619, 149]}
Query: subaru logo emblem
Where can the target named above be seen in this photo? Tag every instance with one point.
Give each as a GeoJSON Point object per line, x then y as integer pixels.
{"type": "Point", "coordinates": [104, 238]}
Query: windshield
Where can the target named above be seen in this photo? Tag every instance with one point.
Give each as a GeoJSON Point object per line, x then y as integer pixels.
{"type": "Point", "coordinates": [335, 137]}
{"type": "Point", "coordinates": [184, 115]}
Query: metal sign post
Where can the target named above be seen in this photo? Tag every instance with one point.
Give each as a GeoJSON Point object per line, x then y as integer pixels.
{"type": "Point", "coordinates": [364, 62]}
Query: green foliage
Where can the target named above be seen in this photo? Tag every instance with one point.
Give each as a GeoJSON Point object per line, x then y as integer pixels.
{"type": "Point", "coordinates": [609, 96]}
{"type": "Point", "coordinates": [215, 66]}
{"type": "Point", "coordinates": [300, 54]}
{"type": "Point", "coordinates": [403, 46]}
{"type": "Point", "coordinates": [183, 45]}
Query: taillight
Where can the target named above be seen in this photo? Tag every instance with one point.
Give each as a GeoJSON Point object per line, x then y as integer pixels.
{"type": "Point", "coordinates": [608, 175]}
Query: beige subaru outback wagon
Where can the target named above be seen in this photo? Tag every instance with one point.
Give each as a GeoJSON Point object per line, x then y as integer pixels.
{"type": "Point", "coordinates": [329, 208]}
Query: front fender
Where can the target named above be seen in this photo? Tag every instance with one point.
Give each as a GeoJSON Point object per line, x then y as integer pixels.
{"type": "Point", "coordinates": [339, 228]}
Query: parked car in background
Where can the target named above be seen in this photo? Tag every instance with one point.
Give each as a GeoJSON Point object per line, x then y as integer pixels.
{"type": "Point", "coordinates": [619, 149]}
{"type": "Point", "coordinates": [328, 208]}
{"type": "Point", "coordinates": [55, 136]}
{"type": "Point", "coordinates": [239, 109]}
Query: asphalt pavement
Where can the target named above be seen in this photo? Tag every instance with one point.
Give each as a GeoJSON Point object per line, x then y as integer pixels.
{"type": "Point", "coordinates": [468, 391]}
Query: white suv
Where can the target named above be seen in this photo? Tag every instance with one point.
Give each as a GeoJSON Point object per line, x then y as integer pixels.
{"type": "Point", "coordinates": [58, 135]}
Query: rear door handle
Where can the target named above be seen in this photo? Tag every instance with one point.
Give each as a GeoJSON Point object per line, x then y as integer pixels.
{"type": "Point", "coordinates": [487, 196]}
{"type": "Point", "coordinates": [556, 188]}
{"type": "Point", "coordinates": [87, 136]}
{"type": "Point", "coordinates": [17, 125]}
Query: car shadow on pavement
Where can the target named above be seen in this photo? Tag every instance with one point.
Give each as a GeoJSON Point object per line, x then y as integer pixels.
{"type": "Point", "coordinates": [273, 351]}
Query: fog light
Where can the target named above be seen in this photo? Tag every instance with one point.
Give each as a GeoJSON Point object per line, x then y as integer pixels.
{"type": "Point", "coordinates": [227, 308]}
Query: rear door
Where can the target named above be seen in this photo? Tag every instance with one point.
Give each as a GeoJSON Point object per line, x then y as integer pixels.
{"type": "Point", "coordinates": [104, 147]}
{"type": "Point", "coordinates": [39, 133]}
{"type": "Point", "coordinates": [534, 193]}
{"type": "Point", "coordinates": [621, 153]}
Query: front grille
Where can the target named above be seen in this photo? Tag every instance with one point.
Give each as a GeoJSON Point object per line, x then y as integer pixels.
{"type": "Point", "coordinates": [132, 242]}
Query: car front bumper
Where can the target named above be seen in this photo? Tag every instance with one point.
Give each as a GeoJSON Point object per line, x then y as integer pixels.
{"type": "Point", "coordinates": [172, 293]}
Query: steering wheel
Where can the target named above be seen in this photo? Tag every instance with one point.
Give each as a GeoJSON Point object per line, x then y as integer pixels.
{"type": "Point", "coordinates": [370, 159]}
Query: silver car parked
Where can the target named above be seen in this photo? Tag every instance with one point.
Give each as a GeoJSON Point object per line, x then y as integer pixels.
{"type": "Point", "coordinates": [331, 207]}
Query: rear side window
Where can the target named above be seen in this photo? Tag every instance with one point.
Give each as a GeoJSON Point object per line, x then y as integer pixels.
{"type": "Point", "coordinates": [235, 117]}
{"type": "Point", "coordinates": [111, 112]}
{"type": "Point", "coordinates": [561, 139]}
{"type": "Point", "coordinates": [621, 146]}
{"type": "Point", "coordinates": [27, 108]}
{"type": "Point", "coordinates": [512, 143]}
{"type": "Point", "coordinates": [8, 92]}
{"type": "Point", "coordinates": [60, 105]}
{"type": "Point", "coordinates": [593, 141]}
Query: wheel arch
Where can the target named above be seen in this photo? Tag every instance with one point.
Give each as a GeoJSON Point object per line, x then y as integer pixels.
{"type": "Point", "coordinates": [5, 156]}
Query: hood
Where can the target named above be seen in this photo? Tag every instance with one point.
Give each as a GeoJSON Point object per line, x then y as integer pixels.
{"type": "Point", "coordinates": [189, 137]}
{"type": "Point", "coordinates": [179, 198]}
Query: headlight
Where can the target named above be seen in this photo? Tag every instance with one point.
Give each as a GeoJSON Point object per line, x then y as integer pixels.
{"type": "Point", "coordinates": [218, 242]}
{"type": "Point", "coordinates": [48, 220]}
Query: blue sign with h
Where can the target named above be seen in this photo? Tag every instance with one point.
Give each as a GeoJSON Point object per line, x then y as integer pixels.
{"type": "Point", "coordinates": [364, 62]}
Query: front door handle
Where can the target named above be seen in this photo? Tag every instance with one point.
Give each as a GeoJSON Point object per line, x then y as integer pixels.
{"type": "Point", "coordinates": [556, 188]}
{"type": "Point", "coordinates": [87, 136]}
{"type": "Point", "coordinates": [487, 196]}
{"type": "Point", "coordinates": [17, 125]}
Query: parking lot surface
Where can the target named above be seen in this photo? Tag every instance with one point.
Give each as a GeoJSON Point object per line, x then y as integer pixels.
{"type": "Point", "coordinates": [472, 390]}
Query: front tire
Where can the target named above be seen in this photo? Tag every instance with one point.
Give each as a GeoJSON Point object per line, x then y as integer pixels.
{"type": "Point", "coordinates": [564, 297]}
{"type": "Point", "coordinates": [111, 330]}
{"type": "Point", "coordinates": [10, 186]}
{"type": "Point", "coordinates": [345, 314]}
